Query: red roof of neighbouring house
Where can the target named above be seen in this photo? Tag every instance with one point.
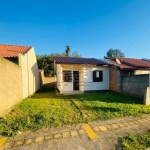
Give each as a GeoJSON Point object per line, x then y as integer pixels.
{"type": "Point", "coordinates": [12, 50]}
{"type": "Point", "coordinates": [76, 60]}
{"type": "Point", "coordinates": [129, 63]}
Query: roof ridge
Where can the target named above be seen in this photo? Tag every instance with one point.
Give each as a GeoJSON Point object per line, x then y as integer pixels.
{"type": "Point", "coordinates": [72, 57]}
{"type": "Point", "coordinates": [15, 45]}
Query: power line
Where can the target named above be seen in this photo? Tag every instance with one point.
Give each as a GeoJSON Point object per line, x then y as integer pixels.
{"type": "Point", "coordinates": [138, 36]}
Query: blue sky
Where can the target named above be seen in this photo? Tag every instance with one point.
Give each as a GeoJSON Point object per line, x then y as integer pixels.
{"type": "Point", "coordinates": [90, 27]}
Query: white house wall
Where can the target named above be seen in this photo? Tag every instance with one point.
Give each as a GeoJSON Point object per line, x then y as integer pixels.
{"type": "Point", "coordinates": [30, 72]}
{"type": "Point", "coordinates": [89, 85]}
{"type": "Point", "coordinates": [85, 78]}
{"type": "Point", "coordinates": [59, 76]}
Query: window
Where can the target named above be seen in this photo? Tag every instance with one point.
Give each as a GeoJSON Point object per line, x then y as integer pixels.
{"type": "Point", "coordinates": [97, 76]}
{"type": "Point", "coordinates": [67, 76]}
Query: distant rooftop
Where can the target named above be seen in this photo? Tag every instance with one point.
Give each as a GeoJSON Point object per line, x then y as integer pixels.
{"type": "Point", "coordinates": [129, 63]}
{"type": "Point", "coordinates": [12, 50]}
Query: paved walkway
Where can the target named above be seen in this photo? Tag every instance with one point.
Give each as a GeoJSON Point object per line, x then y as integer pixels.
{"type": "Point", "coordinates": [76, 138]}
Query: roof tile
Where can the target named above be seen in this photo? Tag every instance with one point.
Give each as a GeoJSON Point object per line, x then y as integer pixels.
{"type": "Point", "coordinates": [76, 60]}
{"type": "Point", "coordinates": [129, 63]}
{"type": "Point", "coordinates": [12, 50]}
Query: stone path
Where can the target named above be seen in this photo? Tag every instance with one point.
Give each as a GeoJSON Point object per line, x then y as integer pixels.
{"type": "Point", "coordinates": [108, 134]}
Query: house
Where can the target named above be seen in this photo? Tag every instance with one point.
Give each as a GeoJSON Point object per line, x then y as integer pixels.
{"type": "Point", "coordinates": [19, 74]}
{"type": "Point", "coordinates": [130, 66]}
{"type": "Point", "coordinates": [126, 68]}
{"type": "Point", "coordinates": [78, 75]}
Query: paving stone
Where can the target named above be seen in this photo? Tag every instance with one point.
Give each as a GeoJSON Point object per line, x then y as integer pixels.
{"type": "Point", "coordinates": [81, 132]}
{"type": "Point", "coordinates": [126, 124]}
{"type": "Point", "coordinates": [135, 122]}
{"type": "Point", "coordinates": [120, 124]}
{"type": "Point", "coordinates": [140, 120]}
{"type": "Point", "coordinates": [28, 141]}
{"type": "Point", "coordinates": [18, 143]}
{"type": "Point", "coordinates": [145, 120]}
{"type": "Point", "coordinates": [57, 136]}
{"type": "Point", "coordinates": [96, 129]}
{"type": "Point", "coordinates": [102, 128]}
{"type": "Point", "coordinates": [39, 139]}
{"type": "Point", "coordinates": [45, 129]}
{"type": "Point", "coordinates": [108, 127]}
{"type": "Point", "coordinates": [92, 135]}
{"type": "Point", "coordinates": [8, 145]}
{"type": "Point", "coordinates": [74, 133]}
{"type": "Point", "coordinates": [115, 126]}
{"type": "Point", "coordinates": [148, 119]}
{"type": "Point", "coordinates": [131, 123]}
{"type": "Point", "coordinates": [66, 134]}
{"type": "Point", "coordinates": [3, 140]}
{"type": "Point", "coordinates": [49, 137]}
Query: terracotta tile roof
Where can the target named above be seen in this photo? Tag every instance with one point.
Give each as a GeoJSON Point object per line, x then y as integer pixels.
{"type": "Point", "coordinates": [75, 60]}
{"type": "Point", "coordinates": [129, 63]}
{"type": "Point", "coordinates": [12, 50]}
{"type": "Point", "coordinates": [113, 61]}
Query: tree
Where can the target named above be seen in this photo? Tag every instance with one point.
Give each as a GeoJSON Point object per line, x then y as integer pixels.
{"type": "Point", "coordinates": [67, 50]}
{"type": "Point", "coordinates": [114, 53]}
{"type": "Point", "coordinates": [45, 62]}
{"type": "Point", "coordinates": [75, 54]}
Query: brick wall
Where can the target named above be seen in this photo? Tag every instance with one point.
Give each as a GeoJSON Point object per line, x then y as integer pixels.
{"type": "Point", "coordinates": [112, 78]}
{"type": "Point", "coordinates": [10, 85]}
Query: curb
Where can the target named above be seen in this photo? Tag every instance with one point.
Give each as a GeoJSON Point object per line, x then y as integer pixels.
{"type": "Point", "coordinates": [72, 133]}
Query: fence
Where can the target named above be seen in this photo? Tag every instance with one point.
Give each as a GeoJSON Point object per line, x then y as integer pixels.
{"type": "Point", "coordinates": [133, 84]}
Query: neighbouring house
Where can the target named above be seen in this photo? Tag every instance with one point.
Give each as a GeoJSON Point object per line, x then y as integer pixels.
{"type": "Point", "coordinates": [78, 75]}
{"type": "Point", "coordinates": [130, 66]}
{"type": "Point", "coordinates": [19, 74]}
{"type": "Point", "coordinates": [129, 75]}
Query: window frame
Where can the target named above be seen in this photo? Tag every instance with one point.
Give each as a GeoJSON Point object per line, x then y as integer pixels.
{"type": "Point", "coordinates": [100, 76]}
{"type": "Point", "coordinates": [68, 74]}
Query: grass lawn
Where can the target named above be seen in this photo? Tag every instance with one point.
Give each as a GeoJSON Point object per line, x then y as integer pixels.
{"type": "Point", "coordinates": [135, 142]}
{"type": "Point", "coordinates": [45, 109]}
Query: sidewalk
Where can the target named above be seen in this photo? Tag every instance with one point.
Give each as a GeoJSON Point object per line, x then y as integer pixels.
{"type": "Point", "coordinates": [75, 138]}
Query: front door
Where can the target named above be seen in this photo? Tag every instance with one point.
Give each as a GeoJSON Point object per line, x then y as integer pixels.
{"type": "Point", "coordinates": [75, 80]}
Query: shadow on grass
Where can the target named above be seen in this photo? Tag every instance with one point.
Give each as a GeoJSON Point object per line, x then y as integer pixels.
{"type": "Point", "coordinates": [103, 109]}
{"type": "Point", "coordinates": [109, 97]}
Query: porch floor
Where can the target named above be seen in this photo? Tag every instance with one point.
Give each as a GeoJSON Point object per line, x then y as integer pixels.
{"type": "Point", "coordinates": [72, 92]}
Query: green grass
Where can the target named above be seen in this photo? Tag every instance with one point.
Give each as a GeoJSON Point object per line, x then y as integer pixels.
{"type": "Point", "coordinates": [135, 142]}
{"type": "Point", "coordinates": [45, 109]}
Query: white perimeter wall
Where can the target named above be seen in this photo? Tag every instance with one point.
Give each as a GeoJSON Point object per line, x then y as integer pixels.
{"type": "Point", "coordinates": [30, 73]}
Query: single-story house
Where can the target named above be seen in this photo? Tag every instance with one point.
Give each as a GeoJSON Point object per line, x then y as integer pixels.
{"type": "Point", "coordinates": [130, 66]}
{"type": "Point", "coordinates": [19, 75]}
{"type": "Point", "coordinates": [81, 74]}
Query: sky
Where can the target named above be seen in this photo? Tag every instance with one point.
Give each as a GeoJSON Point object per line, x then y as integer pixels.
{"type": "Point", "coordinates": [90, 27]}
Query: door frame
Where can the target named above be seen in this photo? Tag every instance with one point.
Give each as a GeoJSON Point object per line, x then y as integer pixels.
{"type": "Point", "coordinates": [76, 82]}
